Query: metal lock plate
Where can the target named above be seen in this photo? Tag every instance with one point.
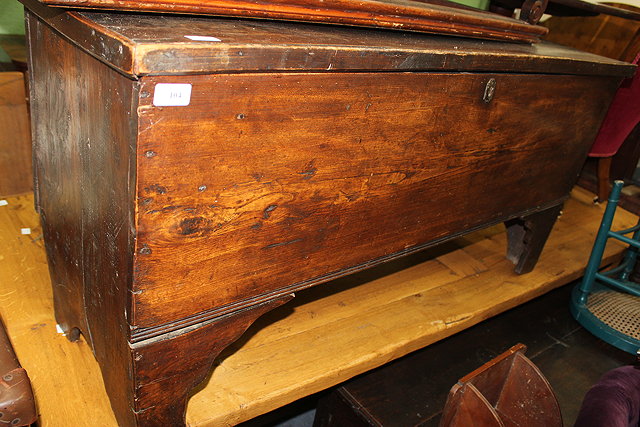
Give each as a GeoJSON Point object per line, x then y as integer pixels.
{"type": "Point", "coordinates": [489, 90]}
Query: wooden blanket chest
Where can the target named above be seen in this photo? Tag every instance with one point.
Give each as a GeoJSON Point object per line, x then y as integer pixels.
{"type": "Point", "coordinates": [193, 173]}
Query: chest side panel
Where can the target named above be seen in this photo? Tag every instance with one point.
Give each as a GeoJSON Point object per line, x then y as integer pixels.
{"type": "Point", "coordinates": [84, 128]}
{"type": "Point", "coordinates": [268, 181]}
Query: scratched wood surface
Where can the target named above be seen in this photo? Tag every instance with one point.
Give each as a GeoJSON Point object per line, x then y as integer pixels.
{"type": "Point", "coordinates": [331, 172]}
{"type": "Point", "coordinates": [267, 183]}
{"type": "Point", "coordinates": [83, 174]}
{"type": "Point", "coordinates": [158, 44]}
{"type": "Point", "coordinates": [436, 16]}
{"type": "Point", "coordinates": [329, 334]}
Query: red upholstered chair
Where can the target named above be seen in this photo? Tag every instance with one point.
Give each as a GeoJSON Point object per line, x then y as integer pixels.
{"type": "Point", "coordinates": [623, 116]}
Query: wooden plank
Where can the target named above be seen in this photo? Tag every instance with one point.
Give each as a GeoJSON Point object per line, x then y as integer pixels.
{"type": "Point", "coordinates": [83, 159]}
{"type": "Point", "coordinates": [269, 185]}
{"type": "Point", "coordinates": [610, 36]}
{"type": "Point", "coordinates": [424, 16]}
{"type": "Point", "coordinates": [332, 332]}
{"type": "Point", "coordinates": [156, 44]}
{"type": "Point", "coordinates": [462, 263]}
{"type": "Point", "coordinates": [356, 340]}
{"type": "Point", "coordinates": [15, 138]}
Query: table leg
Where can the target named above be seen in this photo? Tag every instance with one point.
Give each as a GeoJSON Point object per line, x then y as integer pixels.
{"type": "Point", "coordinates": [166, 369]}
{"type": "Point", "coordinates": [527, 235]}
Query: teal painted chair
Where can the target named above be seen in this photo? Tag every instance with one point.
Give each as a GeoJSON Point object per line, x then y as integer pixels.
{"type": "Point", "coordinates": [607, 304]}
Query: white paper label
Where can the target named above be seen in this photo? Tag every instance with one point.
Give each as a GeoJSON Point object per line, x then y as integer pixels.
{"type": "Point", "coordinates": [25, 230]}
{"type": "Point", "coordinates": [172, 95]}
{"type": "Point", "coordinates": [3, 203]}
{"type": "Point", "coordinates": [203, 38]}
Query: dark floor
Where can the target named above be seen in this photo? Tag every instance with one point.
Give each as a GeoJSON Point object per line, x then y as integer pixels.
{"type": "Point", "coordinates": [571, 359]}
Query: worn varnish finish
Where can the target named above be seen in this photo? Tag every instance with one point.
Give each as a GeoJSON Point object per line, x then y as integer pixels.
{"type": "Point", "coordinates": [325, 336]}
{"type": "Point", "coordinates": [84, 133]}
{"type": "Point", "coordinates": [169, 230]}
{"type": "Point", "coordinates": [303, 166]}
{"type": "Point", "coordinates": [161, 389]}
{"type": "Point", "coordinates": [156, 44]}
{"type": "Point", "coordinates": [526, 236]}
{"type": "Point", "coordinates": [438, 17]}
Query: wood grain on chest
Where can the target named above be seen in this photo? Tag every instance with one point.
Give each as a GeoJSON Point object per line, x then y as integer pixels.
{"type": "Point", "coordinates": [273, 182]}
{"type": "Point", "coordinates": [431, 16]}
{"type": "Point", "coordinates": [302, 153]}
{"type": "Point", "coordinates": [157, 44]}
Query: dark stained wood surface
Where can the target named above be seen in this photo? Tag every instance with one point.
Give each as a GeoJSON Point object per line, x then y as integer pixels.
{"type": "Point", "coordinates": [473, 409]}
{"type": "Point", "coordinates": [511, 385]}
{"type": "Point", "coordinates": [162, 389]}
{"type": "Point", "coordinates": [604, 9]}
{"type": "Point", "coordinates": [170, 229]}
{"type": "Point", "coordinates": [432, 17]}
{"type": "Point", "coordinates": [85, 137]}
{"type": "Point", "coordinates": [332, 172]}
{"type": "Point", "coordinates": [156, 44]}
{"type": "Point", "coordinates": [610, 36]}
{"type": "Point", "coordinates": [294, 363]}
{"type": "Point", "coordinates": [526, 236]}
{"type": "Point", "coordinates": [577, 8]}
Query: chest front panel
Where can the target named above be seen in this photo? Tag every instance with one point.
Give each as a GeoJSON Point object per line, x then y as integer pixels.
{"type": "Point", "coordinates": [269, 181]}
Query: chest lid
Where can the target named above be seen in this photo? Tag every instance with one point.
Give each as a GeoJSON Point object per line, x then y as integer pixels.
{"type": "Point", "coordinates": [155, 44]}
{"type": "Point", "coordinates": [430, 16]}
